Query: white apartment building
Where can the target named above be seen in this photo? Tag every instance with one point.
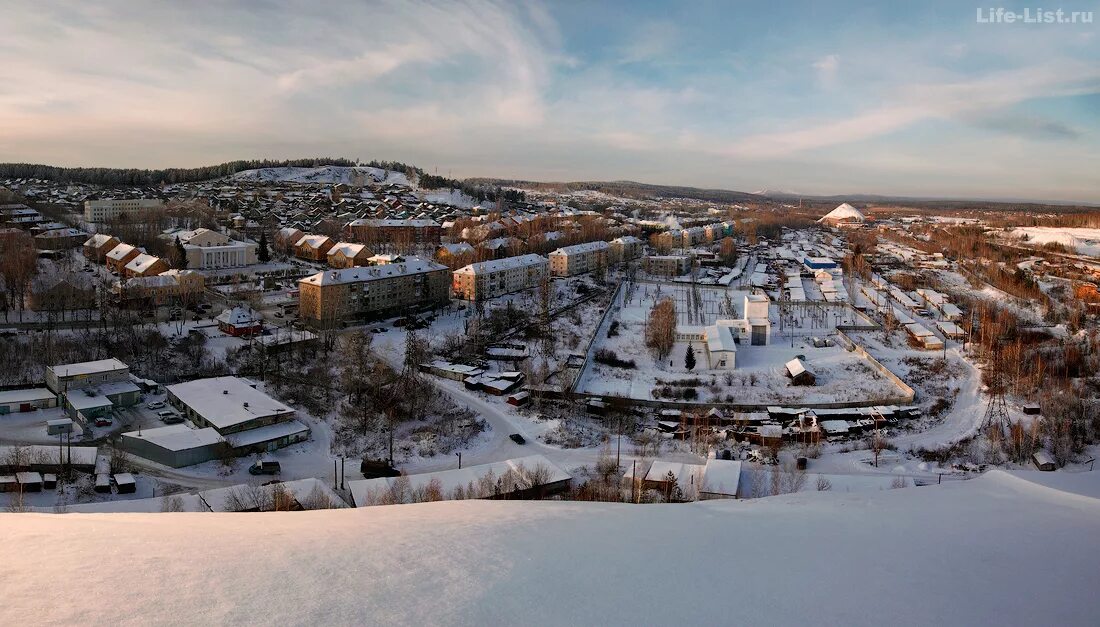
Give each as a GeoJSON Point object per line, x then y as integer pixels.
{"type": "Point", "coordinates": [579, 258]}
{"type": "Point", "coordinates": [626, 248]}
{"type": "Point", "coordinates": [103, 210]}
{"type": "Point", "coordinates": [667, 265]}
{"type": "Point", "coordinates": [489, 279]}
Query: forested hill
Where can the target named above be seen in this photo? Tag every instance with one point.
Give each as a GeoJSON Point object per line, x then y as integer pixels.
{"type": "Point", "coordinates": [138, 177]}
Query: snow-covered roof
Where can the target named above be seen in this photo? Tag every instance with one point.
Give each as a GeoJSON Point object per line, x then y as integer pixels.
{"type": "Point", "coordinates": [25, 396]}
{"type": "Point", "coordinates": [97, 240]}
{"type": "Point", "coordinates": [721, 476]}
{"type": "Point", "coordinates": [495, 265]}
{"type": "Point", "coordinates": [312, 241]}
{"type": "Point", "coordinates": [86, 368]}
{"type": "Point", "coordinates": [226, 401]}
{"type": "Point", "coordinates": [577, 249]}
{"type": "Point", "coordinates": [457, 249]}
{"type": "Point", "coordinates": [348, 249]}
{"type": "Point", "coordinates": [178, 437]}
{"type": "Point", "coordinates": [411, 265]}
{"type": "Point", "coordinates": [267, 433]}
{"type": "Point", "coordinates": [844, 212]}
{"type": "Point", "coordinates": [796, 367]}
{"type": "Point", "coordinates": [362, 490]}
{"type": "Point", "coordinates": [118, 253]}
{"type": "Point", "coordinates": [240, 316]}
{"type": "Point", "coordinates": [141, 263]}
{"type": "Point", "coordinates": [720, 338]}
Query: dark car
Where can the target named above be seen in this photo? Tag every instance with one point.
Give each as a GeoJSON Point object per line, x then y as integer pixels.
{"type": "Point", "coordinates": [517, 438]}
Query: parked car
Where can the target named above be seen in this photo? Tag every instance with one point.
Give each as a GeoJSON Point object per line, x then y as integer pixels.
{"type": "Point", "coordinates": [167, 415]}
{"type": "Point", "coordinates": [517, 438]}
{"type": "Point", "coordinates": [104, 421]}
{"type": "Point", "coordinates": [264, 467]}
{"type": "Point", "coordinates": [174, 419]}
{"type": "Point", "coordinates": [278, 314]}
{"type": "Point", "coordinates": [156, 405]}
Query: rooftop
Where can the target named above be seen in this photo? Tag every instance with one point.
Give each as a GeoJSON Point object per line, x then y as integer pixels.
{"type": "Point", "coordinates": [226, 401]}
{"type": "Point", "coordinates": [411, 265]}
{"type": "Point", "coordinates": [177, 437]}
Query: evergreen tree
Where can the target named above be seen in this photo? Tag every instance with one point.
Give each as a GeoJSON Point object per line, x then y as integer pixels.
{"type": "Point", "coordinates": [264, 254]}
{"type": "Point", "coordinates": [689, 358]}
{"type": "Point", "coordinates": [181, 254]}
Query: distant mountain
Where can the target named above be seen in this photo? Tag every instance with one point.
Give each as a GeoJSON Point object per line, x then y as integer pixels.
{"type": "Point", "coordinates": [625, 189]}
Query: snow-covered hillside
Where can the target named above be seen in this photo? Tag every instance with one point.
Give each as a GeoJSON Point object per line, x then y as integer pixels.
{"type": "Point", "coordinates": [1001, 549]}
{"type": "Point", "coordinates": [1082, 241]}
{"type": "Point", "coordinates": [325, 174]}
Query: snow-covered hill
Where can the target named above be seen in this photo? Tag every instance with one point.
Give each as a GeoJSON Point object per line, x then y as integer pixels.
{"type": "Point", "coordinates": [330, 174]}
{"type": "Point", "coordinates": [1001, 549]}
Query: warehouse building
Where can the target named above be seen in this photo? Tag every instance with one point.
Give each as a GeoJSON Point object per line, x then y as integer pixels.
{"type": "Point", "coordinates": [176, 445]}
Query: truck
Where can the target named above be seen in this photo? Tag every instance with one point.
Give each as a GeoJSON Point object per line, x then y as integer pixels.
{"type": "Point", "coordinates": [264, 467]}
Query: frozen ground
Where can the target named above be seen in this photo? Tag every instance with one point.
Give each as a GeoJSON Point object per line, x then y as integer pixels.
{"type": "Point", "coordinates": [1002, 549]}
{"type": "Point", "coordinates": [760, 376]}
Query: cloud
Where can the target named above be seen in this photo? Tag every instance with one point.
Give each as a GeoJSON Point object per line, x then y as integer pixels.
{"type": "Point", "coordinates": [827, 65]}
{"type": "Point", "coordinates": [1028, 127]}
{"type": "Point", "coordinates": [968, 100]}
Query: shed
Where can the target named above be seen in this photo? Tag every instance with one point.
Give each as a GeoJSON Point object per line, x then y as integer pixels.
{"type": "Point", "coordinates": [59, 426]}
{"type": "Point", "coordinates": [519, 399]}
{"type": "Point", "coordinates": [49, 481]}
{"type": "Point", "coordinates": [1043, 461]}
{"type": "Point", "coordinates": [103, 483]}
{"type": "Point", "coordinates": [799, 373]}
{"type": "Point", "coordinates": [29, 481]}
{"type": "Point", "coordinates": [125, 482]}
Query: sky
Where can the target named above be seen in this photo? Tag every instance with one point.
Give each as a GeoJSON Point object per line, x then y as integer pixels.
{"type": "Point", "coordinates": [904, 98]}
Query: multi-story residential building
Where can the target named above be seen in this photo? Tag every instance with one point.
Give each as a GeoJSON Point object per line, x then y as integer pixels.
{"type": "Point", "coordinates": [400, 235]}
{"type": "Point", "coordinates": [626, 248]}
{"type": "Point", "coordinates": [98, 245]}
{"type": "Point", "coordinates": [104, 210]}
{"type": "Point", "coordinates": [327, 298]}
{"type": "Point", "coordinates": [121, 255]}
{"type": "Point", "coordinates": [579, 258]}
{"type": "Point", "coordinates": [144, 265]}
{"type": "Point", "coordinates": [169, 286]}
{"type": "Point", "coordinates": [347, 255]}
{"type": "Point", "coordinates": [209, 250]}
{"type": "Point", "coordinates": [313, 247]}
{"type": "Point", "coordinates": [692, 236]}
{"type": "Point", "coordinates": [489, 279]}
{"type": "Point", "coordinates": [667, 265]}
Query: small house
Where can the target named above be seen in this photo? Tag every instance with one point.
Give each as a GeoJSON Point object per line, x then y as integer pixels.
{"type": "Point", "coordinates": [799, 373]}
{"type": "Point", "coordinates": [240, 321]}
{"type": "Point", "coordinates": [1043, 461]}
{"type": "Point", "coordinates": [519, 399]}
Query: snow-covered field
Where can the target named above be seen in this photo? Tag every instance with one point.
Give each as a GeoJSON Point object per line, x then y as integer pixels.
{"type": "Point", "coordinates": [1084, 241]}
{"type": "Point", "coordinates": [1006, 548]}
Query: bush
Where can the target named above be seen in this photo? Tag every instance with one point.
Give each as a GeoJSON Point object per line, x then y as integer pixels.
{"type": "Point", "coordinates": [610, 358]}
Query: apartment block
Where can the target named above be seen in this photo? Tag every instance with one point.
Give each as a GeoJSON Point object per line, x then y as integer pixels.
{"type": "Point", "coordinates": [328, 297]}
{"type": "Point", "coordinates": [578, 259]}
{"type": "Point", "coordinates": [489, 279]}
